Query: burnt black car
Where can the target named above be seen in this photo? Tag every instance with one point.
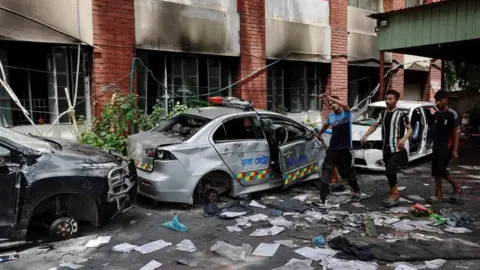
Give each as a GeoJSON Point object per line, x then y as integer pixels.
{"type": "Point", "coordinates": [57, 183]}
{"type": "Point", "coordinates": [471, 122]}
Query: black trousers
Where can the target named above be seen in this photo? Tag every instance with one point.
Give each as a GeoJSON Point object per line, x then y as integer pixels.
{"type": "Point", "coordinates": [343, 161]}
{"type": "Point", "coordinates": [440, 159]}
{"type": "Point", "coordinates": [393, 163]}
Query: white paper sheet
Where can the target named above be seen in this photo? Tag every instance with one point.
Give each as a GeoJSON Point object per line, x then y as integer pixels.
{"type": "Point", "coordinates": [266, 250]}
{"type": "Point", "coordinates": [257, 217]}
{"type": "Point", "coordinates": [125, 248]}
{"type": "Point", "coordinates": [233, 214]}
{"type": "Point", "coordinates": [186, 245]}
{"type": "Point", "coordinates": [254, 203]}
{"type": "Point", "coordinates": [153, 246]}
{"type": "Point", "coordinates": [266, 232]}
{"type": "Point", "coordinates": [457, 230]}
{"type": "Point", "coordinates": [101, 240]}
{"type": "Point", "coordinates": [435, 264]}
{"type": "Point", "coordinates": [301, 198]}
{"type": "Point", "coordinates": [71, 265]}
{"type": "Point", "coordinates": [315, 254]}
{"type": "Point", "coordinates": [280, 221]}
{"type": "Point", "coordinates": [152, 265]}
{"type": "Point", "coordinates": [296, 264]}
{"type": "Point", "coordinates": [287, 243]}
{"type": "Point", "coordinates": [234, 228]}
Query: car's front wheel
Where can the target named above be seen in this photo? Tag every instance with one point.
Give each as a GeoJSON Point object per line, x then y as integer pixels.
{"type": "Point", "coordinates": [63, 228]}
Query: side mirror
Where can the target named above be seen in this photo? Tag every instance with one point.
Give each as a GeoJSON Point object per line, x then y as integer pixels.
{"type": "Point", "coordinates": [4, 169]}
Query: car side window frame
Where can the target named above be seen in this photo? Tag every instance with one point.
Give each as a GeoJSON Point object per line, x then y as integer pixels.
{"type": "Point", "coordinates": [259, 135]}
{"type": "Point", "coordinates": [289, 122]}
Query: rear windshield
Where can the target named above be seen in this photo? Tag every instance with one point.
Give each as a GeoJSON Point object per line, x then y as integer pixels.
{"type": "Point", "coordinates": [182, 125]}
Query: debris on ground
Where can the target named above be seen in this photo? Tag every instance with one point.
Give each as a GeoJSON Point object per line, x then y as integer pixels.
{"type": "Point", "coordinates": [274, 230]}
{"type": "Point", "coordinates": [9, 256]}
{"type": "Point", "coordinates": [289, 206]}
{"type": "Point", "coordinates": [315, 254]}
{"type": "Point", "coordinates": [101, 240]}
{"type": "Point", "coordinates": [234, 228]}
{"type": "Point", "coordinates": [301, 198]}
{"type": "Point", "coordinates": [370, 229]}
{"type": "Point", "coordinates": [254, 203]}
{"type": "Point", "coordinates": [152, 265]}
{"type": "Point", "coordinates": [276, 212]}
{"type": "Point", "coordinates": [350, 251]}
{"type": "Point", "coordinates": [186, 245]}
{"type": "Point", "coordinates": [266, 250]}
{"type": "Point", "coordinates": [280, 221]}
{"type": "Point", "coordinates": [231, 210]}
{"type": "Point", "coordinates": [318, 241]}
{"type": "Point", "coordinates": [153, 246]}
{"type": "Point", "coordinates": [457, 219]}
{"type": "Point", "coordinates": [188, 262]}
{"type": "Point", "coordinates": [71, 265]}
{"type": "Point", "coordinates": [339, 264]}
{"type": "Point", "coordinates": [232, 252]}
{"type": "Point", "coordinates": [415, 198]}
{"type": "Point", "coordinates": [296, 264]}
{"type": "Point", "coordinates": [358, 205]}
{"type": "Point", "coordinates": [125, 248]}
{"type": "Point", "coordinates": [457, 230]}
{"type": "Point", "coordinates": [435, 264]}
{"type": "Point", "coordinates": [287, 243]}
{"type": "Point", "coordinates": [334, 234]}
{"type": "Point", "coordinates": [175, 225]}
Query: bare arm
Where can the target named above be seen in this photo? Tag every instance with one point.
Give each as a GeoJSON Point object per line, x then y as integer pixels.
{"type": "Point", "coordinates": [322, 130]}
{"type": "Point", "coordinates": [371, 130]}
{"type": "Point", "coordinates": [456, 138]}
{"type": "Point", "coordinates": [340, 103]}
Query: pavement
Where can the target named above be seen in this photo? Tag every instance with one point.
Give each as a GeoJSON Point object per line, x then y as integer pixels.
{"type": "Point", "coordinates": [143, 224]}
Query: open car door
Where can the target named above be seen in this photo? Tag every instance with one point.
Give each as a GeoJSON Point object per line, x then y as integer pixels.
{"type": "Point", "coordinates": [10, 177]}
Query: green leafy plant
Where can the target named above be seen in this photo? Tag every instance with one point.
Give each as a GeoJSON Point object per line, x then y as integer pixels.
{"type": "Point", "coordinates": [148, 121]}
{"type": "Point", "coordinates": [109, 132]}
{"type": "Point", "coordinates": [310, 123]}
{"type": "Point", "coordinates": [280, 108]}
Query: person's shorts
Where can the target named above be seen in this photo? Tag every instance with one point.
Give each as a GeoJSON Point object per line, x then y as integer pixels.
{"type": "Point", "coordinates": [394, 161]}
{"type": "Point", "coordinates": [340, 159]}
{"type": "Point", "coordinates": [440, 160]}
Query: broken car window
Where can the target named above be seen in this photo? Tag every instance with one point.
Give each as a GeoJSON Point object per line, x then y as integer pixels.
{"type": "Point", "coordinates": [368, 117]}
{"type": "Point", "coordinates": [4, 155]}
{"type": "Point", "coordinates": [182, 125]}
{"type": "Point", "coordinates": [236, 129]}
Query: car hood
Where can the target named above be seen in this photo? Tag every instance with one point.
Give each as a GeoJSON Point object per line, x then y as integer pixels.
{"type": "Point", "coordinates": [151, 139]}
{"type": "Point", "coordinates": [81, 152]}
{"type": "Point", "coordinates": [359, 130]}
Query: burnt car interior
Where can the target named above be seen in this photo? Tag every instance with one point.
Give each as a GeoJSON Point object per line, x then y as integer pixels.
{"type": "Point", "coordinates": [182, 125]}
{"type": "Point", "coordinates": [429, 114]}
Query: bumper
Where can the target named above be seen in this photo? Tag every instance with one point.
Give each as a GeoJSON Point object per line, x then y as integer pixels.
{"type": "Point", "coordinates": [369, 159]}
{"type": "Point", "coordinates": [122, 186]}
{"type": "Point", "coordinates": [168, 182]}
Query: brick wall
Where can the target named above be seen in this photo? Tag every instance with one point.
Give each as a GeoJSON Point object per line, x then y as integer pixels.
{"type": "Point", "coordinates": [434, 77]}
{"type": "Point", "coordinates": [114, 48]}
{"type": "Point", "coordinates": [398, 80]}
{"type": "Point", "coordinates": [253, 52]}
{"type": "Point", "coordinates": [338, 79]}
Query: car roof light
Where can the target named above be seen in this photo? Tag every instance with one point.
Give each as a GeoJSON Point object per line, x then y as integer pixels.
{"type": "Point", "coordinates": [231, 102]}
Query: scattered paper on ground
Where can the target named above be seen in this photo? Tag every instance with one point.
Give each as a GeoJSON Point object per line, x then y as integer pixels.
{"type": "Point", "coordinates": [316, 254]}
{"type": "Point", "coordinates": [338, 264]}
{"type": "Point", "coordinates": [270, 231]}
{"type": "Point", "coordinates": [153, 246]}
{"type": "Point", "coordinates": [401, 188]}
{"type": "Point", "coordinates": [359, 205]}
{"type": "Point", "coordinates": [186, 245]}
{"type": "Point", "coordinates": [296, 264]}
{"type": "Point", "coordinates": [152, 265]}
{"type": "Point", "coordinates": [280, 221]}
{"type": "Point", "coordinates": [234, 228]}
{"type": "Point", "coordinates": [71, 265]}
{"type": "Point", "coordinates": [266, 250]}
{"type": "Point", "coordinates": [434, 264]}
{"type": "Point", "coordinates": [233, 214]}
{"type": "Point", "coordinates": [232, 252]}
{"type": "Point", "coordinates": [125, 247]}
{"type": "Point", "coordinates": [287, 243]}
{"type": "Point", "coordinates": [101, 240]}
{"type": "Point", "coordinates": [257, 217]}
{"type": "Point", "coordinates": [301, 198]}
{"type": "Point", "coordinates": [254, 203]}
{"type": "Point", "coordinates": [457, 230]}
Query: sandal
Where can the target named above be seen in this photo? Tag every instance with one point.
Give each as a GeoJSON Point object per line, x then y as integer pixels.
{"type": "Point", "coordinates": [456, 196]}
{"type": "Point", "coordinates": [390, 202]}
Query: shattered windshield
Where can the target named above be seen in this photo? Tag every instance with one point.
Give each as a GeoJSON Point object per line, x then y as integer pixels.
{"type": "Point", "coordinates": [369, 116]}
{"type": "Point", "coordinates": [182, 125]}
{"type": "Point", "coordinates": [25, 140]}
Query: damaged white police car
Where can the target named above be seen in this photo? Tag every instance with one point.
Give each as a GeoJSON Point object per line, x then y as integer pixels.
{"type": "Point", "coordinates": [197, 155]}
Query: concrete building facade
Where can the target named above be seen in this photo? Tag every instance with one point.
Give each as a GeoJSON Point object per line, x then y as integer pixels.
{"type": "Point", "coordinates": [280, 54]}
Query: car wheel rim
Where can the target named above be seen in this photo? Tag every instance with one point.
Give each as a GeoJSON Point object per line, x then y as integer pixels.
{"type": "Point", "coordinates": [63, 228]}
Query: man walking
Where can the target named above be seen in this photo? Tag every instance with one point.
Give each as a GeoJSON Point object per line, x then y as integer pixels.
{"type": "Point", "coordinates": [446, 137]}
{"type": "Point", "coordinates": [339, 153]}
{"type": "Point", "coordinates": [396, 130]}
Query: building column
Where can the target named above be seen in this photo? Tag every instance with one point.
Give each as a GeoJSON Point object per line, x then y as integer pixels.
{"type": "Point", "coordinates": [252, 52]}
{"type": "Point", "coordinates": [338, 78]}
{"type": "Point", "coordinates": [398, 82]}
{"type": "Point", "coordinates": [114, 49]}
{"type": "Point", "coordinates": [434, 80]}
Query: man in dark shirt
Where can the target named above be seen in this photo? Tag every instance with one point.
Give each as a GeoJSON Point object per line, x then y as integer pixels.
{"type": "Point", "coordinates": [446, 137]}
{"type": "Point", "coordinates": [339, 153]}
{"type": "Point", "coordinates": [396, 130]}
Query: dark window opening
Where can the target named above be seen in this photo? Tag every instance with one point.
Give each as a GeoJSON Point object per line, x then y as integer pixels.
{"type": "Point", "coordinates": [236, 129]}
{"type": "Point", "coordinates": [182, 125]}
